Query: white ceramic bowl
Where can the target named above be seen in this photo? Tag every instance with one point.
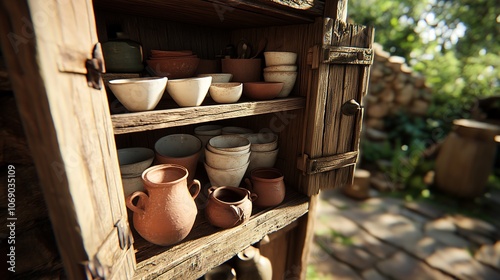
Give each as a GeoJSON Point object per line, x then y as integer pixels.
{"type": "Point", "coordinates": [262, 142]}
{"type": "Point", "coordinates": [139, 94]}
{"type": "Point", "coordinates": [227, 130]}
{"type": "Point", "coordinates": [226, 161]}
{"type": "Point", "coordinates": [262, 159]}
{"type": "Point", "coordinates": [226, 92]}
{"type": "Point", "coordinates": [226, 177]}
{"type": "Point", "coordinates": [280, 58]}
{"type": "Point", "coordinates": [287, 78]}
{"type": "Point", "coordinates": [132, 184]}
{"type": "Point", "coordinates": [189, 92]}
{"type": "Point", "coordinates": [228, 143]}
{"type": "Point", "coordinates": [133, 161]}
{"type": "Point", "coordinates": [218, 77]}
{"type": "Point", "coordinates": [281, 68]}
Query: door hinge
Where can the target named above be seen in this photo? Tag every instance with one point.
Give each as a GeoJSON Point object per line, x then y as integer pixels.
{"type": "Point", "coordinates": [95, 67]}
{"type": "Point", "coordinates": [124, 235]}
{"type": "Point", "coordinates": [347, 55]}
{"type": "Point", "coordinates": [323, 164]}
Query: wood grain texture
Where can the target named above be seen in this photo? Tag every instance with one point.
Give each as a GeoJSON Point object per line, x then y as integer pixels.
{"type": "Point", "coordinates": [70, 135]}
{"type": "Point", "coordinates": [227, 14]}
{"type": "Point", "coordinates": [143, 121]}
{"type": "Point", "coordinates": [206, 246]}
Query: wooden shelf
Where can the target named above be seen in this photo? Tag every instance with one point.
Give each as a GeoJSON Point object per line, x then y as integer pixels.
{"type": "Point", "coordinates": [206, 246]}
{"type": "Point", "coordinates": [226, 14]}
{"type": "Point", "coordinates": [157, 119]}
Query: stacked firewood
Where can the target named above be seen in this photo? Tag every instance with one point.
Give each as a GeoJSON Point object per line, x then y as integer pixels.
{"type": "Point", "coordinates": [394, 87]}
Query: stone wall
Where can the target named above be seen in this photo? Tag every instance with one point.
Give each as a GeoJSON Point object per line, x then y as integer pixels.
{"type": "Point", "coordinates": [394, 87]}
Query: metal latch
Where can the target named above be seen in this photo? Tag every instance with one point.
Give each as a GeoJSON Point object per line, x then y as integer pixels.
{"type": "Point", "coordinates": [95, 67]}
{"type": "Point", "coordinates": [94, 270]}
{"type": "Point", "coordinates": [327, 163]}
{"type": "Point", "coordinates": [347, 55]}
{"type": "Point", "coordinates": [124, 235]}
{"type": "Point", "coordinates": [350, 108]}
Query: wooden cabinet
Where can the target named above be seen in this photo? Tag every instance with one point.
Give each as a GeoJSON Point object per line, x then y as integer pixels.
{"type": "Point", "coordinates": [73, 132]}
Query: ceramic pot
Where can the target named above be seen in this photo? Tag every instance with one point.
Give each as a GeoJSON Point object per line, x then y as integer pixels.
{"type": "Point", "coordinates": [181, 149]}
{"type": "Point", "coordinates": [251, 265]}
{"type": "Point", "coordinates": [122, 55]}
{"type": "Point", "coordinates": [229, 206]}
{"type": "Point", "coordinates": [269, 186]}
{"type": "Point", "coordinates": [165, 213]}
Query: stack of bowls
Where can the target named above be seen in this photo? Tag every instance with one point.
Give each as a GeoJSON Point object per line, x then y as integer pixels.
{"type": "Point", "coordinates": [173, 64]}
{"type": "Point", "coordinates": [280, 67]}
{"type": "Point", "coordinates": [264, 150]}
{"type": "Point", "coordinates": [226, 159]}
{"type": "Point", "coordinates": [205, 133]}
{"type": "Point", "coordinates": [228, 130]}
{"type": "Point", "coordinates": [133, 161]}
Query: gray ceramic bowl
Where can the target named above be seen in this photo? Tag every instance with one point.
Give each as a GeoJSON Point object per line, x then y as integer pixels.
{"type": "Point", "coordinates": [133, 161]}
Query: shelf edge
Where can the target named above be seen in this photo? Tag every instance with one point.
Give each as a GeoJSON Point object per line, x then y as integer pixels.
{"type": "Point", "coordinates": [158, 119]}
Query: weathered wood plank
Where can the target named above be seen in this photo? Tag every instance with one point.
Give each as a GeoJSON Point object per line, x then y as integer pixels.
{"type": "Point", "coordinates": [70, 135]}
{"type": "Point", "coordinates": [207, 247]}
{"type": "Point", "coordinates": [135, 122]}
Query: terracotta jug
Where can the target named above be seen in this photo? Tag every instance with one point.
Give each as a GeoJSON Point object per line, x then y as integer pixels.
{"type": "Point", "coordinates": [269, 186]}
{"type": "Point", "coordinates": [165, 213]}
{"type": "Point", "coordinates": [229, 206]}
{"type": "Point", "coordinates": [251, 265]}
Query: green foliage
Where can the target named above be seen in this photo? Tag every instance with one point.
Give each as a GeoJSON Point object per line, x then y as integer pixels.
{"type": "Point", "coordinates": [454, 43]}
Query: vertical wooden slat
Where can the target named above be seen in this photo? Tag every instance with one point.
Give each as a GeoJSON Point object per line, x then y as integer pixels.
{"type": "Point", "coordinates": [68, 129]}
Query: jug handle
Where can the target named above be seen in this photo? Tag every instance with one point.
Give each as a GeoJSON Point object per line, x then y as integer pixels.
{"type": "Point", "coordinates": [253, 196]}
{"type": "Point", "coordinates": [130, 201]}
{"type": "Point", "coordinates": [211, 189]}
{"type": "Point", "coordinates": [238, 213]}
{"type": "Point", "coordinates": [249, 184]}
{"type": "Point", "coordinates": [198, 188]}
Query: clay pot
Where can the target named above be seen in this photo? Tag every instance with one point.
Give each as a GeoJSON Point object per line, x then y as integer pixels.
{"type": "Point", "coordinates": [262, 90]}
{"type": "Point", "coordinates": [182, 149]}
{"type": "Point", "coordinates": [165, 213]}
{"type": "Point", "coordinates": [174, 68]}
{"type": "Point", "coordinates": [269, 186]}
{"type": "Point", "coordinates": [251, 265]}
{"type": "Point", "coordinates": [229, 206]}
{"type": "Point", "coordinates": [243, 70]}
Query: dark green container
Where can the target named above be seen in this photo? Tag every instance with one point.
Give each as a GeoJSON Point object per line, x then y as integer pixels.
{"type": "Point", "coordinates": [122, 55]}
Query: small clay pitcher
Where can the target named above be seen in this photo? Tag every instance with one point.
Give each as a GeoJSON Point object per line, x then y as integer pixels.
{"type": "Point", "coordinates": [229, 206]}
{"type": "Point", "coordinates": [251, 265]}
{"type": "Point", "coordinates": [269, 186]}
{"type": "Point", "coordinates": [165, 213]}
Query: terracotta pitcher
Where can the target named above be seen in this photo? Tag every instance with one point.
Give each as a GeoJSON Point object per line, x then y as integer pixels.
{"type": "Point", "coordinates": [229, 206]}
{"type": "Point", "coordinates": [269, 186]}
{"type": "Point", "coordinates": [251, 265]}
{"type": "Point", "coordinates": [165, 213]}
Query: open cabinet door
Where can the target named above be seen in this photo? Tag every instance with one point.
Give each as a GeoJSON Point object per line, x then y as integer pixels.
{"type": "Point", "coordinates": [339, 80]}
{"type": "Point", "coordinates": [52, 44]}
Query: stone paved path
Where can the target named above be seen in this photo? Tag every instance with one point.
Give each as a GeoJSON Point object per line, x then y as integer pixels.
{"type": "Point", "coordinates": [388, 238]}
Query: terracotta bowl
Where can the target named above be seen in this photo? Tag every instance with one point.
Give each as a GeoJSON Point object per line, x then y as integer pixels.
{"type": "Point", "coordinates": [181, 149]}
{"type": "Point", "coordinates": [138, 94]}
{"type": "Point", "coordinates": [243, 70]}
{"type": "Point", "coordinates": [174, 68]}
{"type": "Point", "coordinates": [262, 142]}
{"type": "Point", "coordinates": [226, 92]}
{"type": "Point", "coordinates": [218, 77]}
{"type": "Point", "coordinates": [133, 161]}
{"type": "Point", "coordinates": [262, 90]}
{"type": "Point", "coordinates": [280, 58]}
{"type": "Point", "coordinates": [190, 91]}
{"type": "Point", "coordinates": [158, 53]}
{"type": "Point", "coordinates": [287, 78]}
